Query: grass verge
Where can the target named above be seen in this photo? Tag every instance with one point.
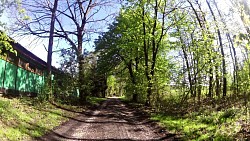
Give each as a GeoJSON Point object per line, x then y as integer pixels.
{"type": "Point", "coordinates": [95, 100]}
{"type": "Point", "coordinates": [27, 119]}
{"type": "Point", "coordinates": [229, 124]}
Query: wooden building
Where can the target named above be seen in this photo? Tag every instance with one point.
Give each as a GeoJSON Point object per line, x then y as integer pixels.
{"type": "Point", "coordinates": [22, 73]}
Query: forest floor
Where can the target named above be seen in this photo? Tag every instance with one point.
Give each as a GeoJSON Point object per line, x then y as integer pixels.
{"type": "Point", "coordinates": [112, 120]}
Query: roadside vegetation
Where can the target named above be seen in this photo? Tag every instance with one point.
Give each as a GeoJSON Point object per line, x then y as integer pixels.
{"type": "Point", "coordinates": [95, 100]}
{"type": "Point", "coordinates": [218, 120]}
{"type": "Point", "coordinates": [29, 118]}
{"type": "Point", "coordinates": [226, 119]}
{"type": "Point", "coordinates": [186, 61]}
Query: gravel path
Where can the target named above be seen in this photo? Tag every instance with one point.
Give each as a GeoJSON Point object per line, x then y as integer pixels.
{"type": "Point", "coordinates": [113, 120]}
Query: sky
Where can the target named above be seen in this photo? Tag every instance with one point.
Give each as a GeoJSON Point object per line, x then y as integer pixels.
{"type": "Point", "coordinates": [37, 47]}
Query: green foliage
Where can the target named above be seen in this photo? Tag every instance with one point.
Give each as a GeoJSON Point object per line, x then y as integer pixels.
{"type": "Point", "coordinates": [47, 90]}
{"type": "Point", "coordinates": [5, 44]}
{"type": "Point", "coordinates": [188, 68]}
{"type": "Point", "coordinates": [111, 83]}
{"type": "Point", "coordinates": [65, 88]}
{"type": "Point", "coordinates": [122, 50]}
{"type": "Point", "coordinates": [67, 85]}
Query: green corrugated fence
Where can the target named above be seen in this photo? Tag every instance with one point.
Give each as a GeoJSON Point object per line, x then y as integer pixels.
{"type": "Point", "coordinates": [19, 79]}
{"type": "Point", "coordinates": [2, 67]}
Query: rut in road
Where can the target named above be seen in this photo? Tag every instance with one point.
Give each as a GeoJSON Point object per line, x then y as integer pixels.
{"type": "Point", "coordinates": [113, 120]}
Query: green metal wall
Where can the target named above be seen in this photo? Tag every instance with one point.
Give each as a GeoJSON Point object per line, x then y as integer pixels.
{"type": "Point", "coordinates": [10, 75]}
{"type": "Point", "coordinates": [16, 78]}
{"type": "Point", "coordinates": [2, 66]}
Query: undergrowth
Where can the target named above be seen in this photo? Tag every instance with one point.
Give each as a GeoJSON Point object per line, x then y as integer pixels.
{"type": "Point", "coordinates": [225, 120]}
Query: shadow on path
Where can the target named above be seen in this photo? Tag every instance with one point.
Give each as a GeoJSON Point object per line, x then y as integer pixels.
{"type": "Point", "coordinates": [113, 120]}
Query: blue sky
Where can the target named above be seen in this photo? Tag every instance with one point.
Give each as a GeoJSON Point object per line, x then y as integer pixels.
{"type": "Point", "coordinates": [38, 46]}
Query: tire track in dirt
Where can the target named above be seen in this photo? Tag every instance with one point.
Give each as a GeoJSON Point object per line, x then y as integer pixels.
{"type": "Point", "coordinates": [113, 120]}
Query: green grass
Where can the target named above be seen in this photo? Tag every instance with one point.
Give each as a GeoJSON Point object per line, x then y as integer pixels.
{"type": "Point", "coordinates": [124, 99]}
{"type": "Point", "coordinates": [226, 118]}
{"type": "Point", "coordinates": [206, 125]}
{"type": "Point", "coordinates": [95, 100]}
{"type": "Point", "coordinates": [26, 118]}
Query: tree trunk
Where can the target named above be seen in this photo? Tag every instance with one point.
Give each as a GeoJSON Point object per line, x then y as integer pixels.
{"type": "Point", "coordinates": [149, 92]}
{"type": "Point", "coordinates": [223, 66]}
{"type": "Point", "coordinates": [187, 65]}
{"type": "Point", "coordinates": [80, 59]}
{"type": "Point", "coordinates": [82, 95]}
{"type": "Point", "coordinates": [145, 51]}
{"type": "Point", "coordinates": [51, 36]}
{"type": "Point", "coordinates": [236, 66]}
{"type": "Point", "coordinates": [155, 42]}
{"type": "Point", "coordinates": [234, 58]}
{"type": "Point", "coordinates": [50, 46]}
{"type": "Point", "coordinates": [199, 88]}
{"type": "Point", "coordinates": [222, 53]}
{"type": "Point", "coordinates": [210, 89]}
{"type": "Point", "coordinates": [217, 81]}
{"type": "Point", "coordinates": [194, 87]}
{"type": "Point", "coordinates": [188, 70]}
{"type": "Point", "coordinates": [135, 95]}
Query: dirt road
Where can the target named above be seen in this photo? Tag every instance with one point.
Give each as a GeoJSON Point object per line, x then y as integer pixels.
{"type": "Point", "coordinates": [113, 120]}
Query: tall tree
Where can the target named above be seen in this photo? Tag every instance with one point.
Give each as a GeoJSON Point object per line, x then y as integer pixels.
{"type": "Point", "coordinates": [50, 46]}
{"type": "Point", "coordinates": [221, 49]}
{"type": "Point", "coordinates": [120, 45]}
{"type": "Point", "coordinates": [154, 32]}
{"type": "Point", "coordinates": [51, 35]}
{"type": "Point", "coordinates": [74, 23]}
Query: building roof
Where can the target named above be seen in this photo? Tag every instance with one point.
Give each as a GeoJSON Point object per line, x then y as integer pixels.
{"type": "Point", "coordinates": [30, 56]}
{"type": "Point", "coordinates": [27, 54]}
